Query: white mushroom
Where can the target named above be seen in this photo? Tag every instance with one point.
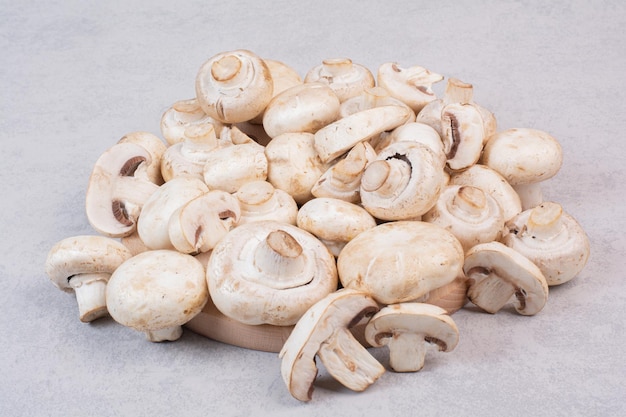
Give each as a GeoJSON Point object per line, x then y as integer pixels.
{"type": "Point", "coordinates": [302, 108]}
{"type": "Point", "coordinates": [370, 98]}
{"type": "Point", "coordinates": [403, 182]}
{"type": "Point", "coordinates": [259, 200]}
{"type": "Point", "coordinates": [234, 86]}
{"type": "Point", "coordinates": [400, 261]}
{"type": "Point", "coordinates": [471, 214]}
{"type": "Point", "coordinates": [415, 132]}
{"type": "Point", "coordinates": [118, 188]}
{"type": "Point", "coordinates": [335, 139]}
{"type": "Point", "coordinates": [343, 179]}
{"type": "Point", "coordinates": [293, 164]}
{"type": "Point", "coordinates": [83, 265]}
{"type": "Point", "coordinates": [335, 222]}
{"type": "Point", "coordinates": [463, 134]}
{"type": "Point", "coordinates": [153, 222]}
{"type": "Point", "coordinates": [198, 225]}
{"type": "Point", "coordinates": [269, 272]}
{"type": "Point", "coordinates": [346, 78]}
{"type": "Point", "coordinates": [552, 239]}
{"type": "Point", "coordinates": [408, 330]}
{"type": "Point", "coordinates": [412, 85]}
{"type": "Point", "coordinates": [181, 115]}
{"type": "Point", "coordinates": [324, 332]}
{"type": "Point", "coordinates": [156, 292]}
{"type": "Point", "coordinates": [499, 274]}
{"type": "Point", "coordinates": [231, 167]}
{"type": "Point", "coordinates": [524, 157]}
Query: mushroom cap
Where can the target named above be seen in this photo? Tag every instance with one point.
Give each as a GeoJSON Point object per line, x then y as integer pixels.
{"type": "Point", "coordinates": [415, 132]}
{"type": "Point", "coordinates": [234, 86]}
{"type": "Point", "coordinates": [346, 78]}
{"type": "Point", "coordinates": [156, 290]}
{"type": "Point", "coordinates": [83, 254]}
{"type": "Point", "coordinates": [181, 115]}
{"type": "Point", "coordinates": [254, 285]}
{"type": "Point", "coordinates": [523, 156]}
{"type": "Point", "coordinates": [323, 323]}
{"type": "Point", "coordinates": [231, 167]}
{"type": "Point", "coordinates": [552, 239]}
{"type": "Point", "coordinates": [400, 261]}
{"type": "Point", "coordinates": [497, 273]}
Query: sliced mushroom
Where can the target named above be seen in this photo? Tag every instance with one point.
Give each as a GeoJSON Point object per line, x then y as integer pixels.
{"type": "Point", "coordinates": [403, 182]}
{"type": "Point", "coordinates": [234, 86]}
{"type": "Point", "coordinates": [552, 239]}
{"type": "Point", "coordinates": [156, 292]}
{"type": "Point", "coordinates": [259, 200]}
{"type": "Point", "coordinates": [499, 274]}
{"type": "Point", "coordinates": [155, 147]}
{"type": "Point", "coordinates": [400, 261]}
{"type": "Point", "coordinates": [335, 222]}
{"type": "Point", "coordinates": [346, 78]}
{"type": "Point", "coordinates": [323, 331]}
{"type": "Point", "coordinates": [412, 85]}
{"type": "Point", "coordinates": [83, 265]}
{"type": "Point", "coordinates": [343, 179]}
{"type": "Point", "coordinates": [201, 223]}
{"type": "Point", "coordinates": [269, 272]}
{"type": "Point", "coordinates": [463, 134]}
{"type": "Point", "coordinates": [118, 188]}
{"type": "Point", "coordinates": [231, 167]}
{"type": "Point", "coordinates": [181, 115]}
{"type": "Point", "coordinates": [408, 329]}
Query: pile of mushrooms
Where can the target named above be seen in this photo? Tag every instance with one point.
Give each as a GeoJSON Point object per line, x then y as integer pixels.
{"type": "Point", "coordinates": [354, 210]}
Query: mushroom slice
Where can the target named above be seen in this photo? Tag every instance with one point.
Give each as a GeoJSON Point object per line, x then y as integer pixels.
{"type": "Point", "coordinates": [552, 239]}
{"type": "Point", "coordinates": [338, 137]}
{"type": "Point", "coordinates": [198, 225]}
{"type": "Point", "coordinates": [403, 182]}
{"type": "Point", "coordinates": [498, 273]}
{"type": "Point", "coordinates": [343, 179]}
{"type": "Point", "coordinates": [408, 329]}
{"type": "Point", "coordinates": [412, 85]}
{"type": "Point", "coordinates": [155, 146]}
{"type": "Point", "coordinates": [463, 134]}
{"type": "Point", "coordinates": [83, 265]}
{"type": "Point", "coordinates": [324, 331]}
{"type": "Point", "coordinates": [118, 189]}
{"type": "Point", "coordinates": [156, 292]}
{"type": "Point", "coordinates": [269, 272]}
{"type": "Point", "coordinates": [234, 86]}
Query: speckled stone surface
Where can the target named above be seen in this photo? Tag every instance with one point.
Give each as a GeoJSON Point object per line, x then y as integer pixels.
{"type": "Point", "coordinates": [76, 76]}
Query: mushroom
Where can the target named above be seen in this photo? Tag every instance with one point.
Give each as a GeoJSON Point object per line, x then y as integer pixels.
{"type": "Point", "coordinates": [498, 274]}
{"type": "Point", "coordinates": [408, 329]}
{"type": "Point", "coordinates": [403, 182]}
{"type": "Point", "coordinates": [231, 167]}
{"type": "Point", "coordinates": [301, 108]}
{"type": "Point", "coordinates": [524, 157]}
{"type": "Point", "coordinates": [118, 188]}
{"type": "Point", "coordinates": [370, 98]}
{"type": "Point", "coordinates": [415, 132]}
{"type": "Point", "coordinates": [400, 261]}
{"type": "Point", "coordinates": [83, 265]}
{"type": "Point", "coordinates": [293, 164]}
{"type": "Point", "coordinates": [156, 292]}
{"type": "Point", "coordinates": [335, 222]}
{"type": "Point", "coordinates": [451, 297]}
{"type": "Point", "coordinates": [472, 215]}
{"type": "Point", "coordinates": [346, 78]}
{"type": "Point", "coordinates": [335, 139]}
{"type": "Point", "coordinates": [323, 331]}
{"type": "Point", "coordinates": [343, 179]}
{"type": "Point", "coordinates": [234, 86]}
{"type": "Point", "coordinates": [269, 272]}
{"type": "Point", "coordinates": [412, 85]}
{"type": "Point", "coordinates": [181, 115]}
{"type": "Point", "coordinates": [155, 147]}
{"type": "Point", "coordinates": [153, 222]}
{"type": "Point", "coordinates": [552, 239]}
{"type": "Point", "coordinates": [492, 183]}
{"type": "Point", "coordinates": [463, 134]}
{"type": "Point", "coordinates": [259, 200]}
{"type": "Point", "coordinates": [198, 225]}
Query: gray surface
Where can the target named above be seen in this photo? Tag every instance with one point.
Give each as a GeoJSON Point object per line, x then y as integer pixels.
{"type": "Point", "coordinates": [78, 75]}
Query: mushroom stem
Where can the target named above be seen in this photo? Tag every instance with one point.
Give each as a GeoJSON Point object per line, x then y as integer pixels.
{"type": "Point", "coordinates": [386, 177]}
{"type": "Point", "coordinates": [336, 67]}
{"type": "Point", "coordinates": [470, 201]}
{"type": "Point", "coordinates": [226, 68]}
{"type": "Point", "coordinates": [199, 139]}
{"type": "Point", "coordinates": [491, 293]}
{"type": "Point", "coordinates": [458, 92]}
{"type": "Point", "coordinates": [544, 221]}
{"type": "Point", "coordinates": [348, 170]}
{"type": "Point", "coordinates": [280, 257]}
{"type": "Point", "coordinates": [134, 191]}
{"type": "Point", "coordinates": [530, 194]}
{"type": "Point", "coordinates": [165, 334]}
{"type": "Point", "coordinates": [90, 290]}
{"type": "Point", "coordinates": [407, 352]}
{"type": "Point", "coordinates": [338, 355]}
